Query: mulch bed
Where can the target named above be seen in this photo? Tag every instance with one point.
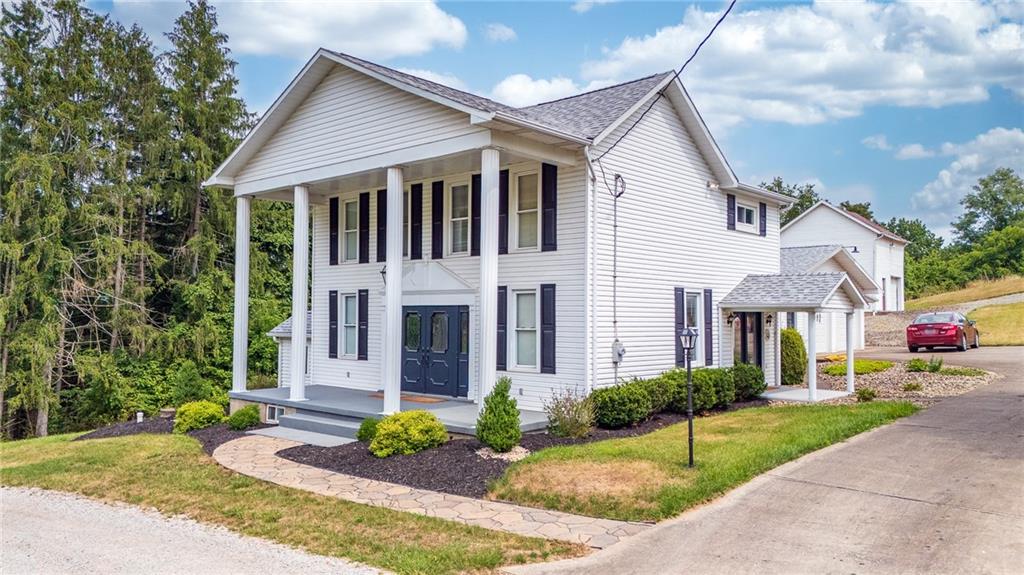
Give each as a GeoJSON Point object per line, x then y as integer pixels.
{"type": "Point", "coordinates": [455, 467]}
{"type": "Point", "coordinates": [210, 438]}
{"type": "Point", "coordinates": [213, 437]}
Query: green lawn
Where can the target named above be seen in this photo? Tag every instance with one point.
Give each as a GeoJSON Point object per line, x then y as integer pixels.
{"type": "Point", "coordinates": [1000, 324]}
{"type": "Point", "coordinates": [860, 367]}
{"type": "Point", "coordinates": [173, 475]}
{"type": "Point", "coordinates": [981, 289]}
{"type": "Point", "coordinates": [646, 478]}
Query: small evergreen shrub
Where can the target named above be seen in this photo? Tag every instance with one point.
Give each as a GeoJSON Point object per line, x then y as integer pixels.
{"type": "Point", "coordinates": [248, 416]}
{"type": "Point", "coordinates": [187, 385]}
{"type": "Point", "coordinates": [658, 390]}
{"type": "Point", "coordinates": [794, 357]}
{"type": "Point", "coordinates": [912, 386]}
{"type": "Point", "coordinates": [570, 414]}
{"type": "Point", "coordinates": [407, 432]}
{"type": "Point", "coordinates": [621, 405]}
{"type": "Point", "coordinates": [866, 394]}
{"type": "Point", "coordinates": [704, 394]}
{"type": "Point", "coordinates": [725, 386]}
{"type": "Point", "coordinates": [498, 424]}
{"type": "Point", "coordinates": [197, 415]}
{"type": "Point", "coordinates": [367, 429]}
{"type": "Point", "coordinates": [860, 367]}
{"type": "Point", "coordinates": [748, 380]}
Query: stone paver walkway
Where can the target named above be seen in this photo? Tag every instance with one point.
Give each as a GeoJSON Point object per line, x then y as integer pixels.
{"type": "Point", "coordinates": [255, 456]}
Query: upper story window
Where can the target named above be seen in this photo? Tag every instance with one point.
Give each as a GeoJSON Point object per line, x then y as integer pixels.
{"type": "Point", "coordinates": [527, 215]}
{"type": "Point", "coordinates": [458, 219]}
{"type": "Point", "coordinates": [406, 234]}
{"type": "Point", "coordinates": [746, 218]}
{"type": "Point", "coordinates": [351, 237]}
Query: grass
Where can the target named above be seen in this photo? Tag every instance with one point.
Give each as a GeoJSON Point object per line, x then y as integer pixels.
{"type": "Point", "coordinates": [1000, 324]}
{"type": "Point", "coordinates": [646, 478]}
{"type": "Point", "coordinates": [981, 289]}
{"type": "Point", "coordinates": [962, 371]}
{"type": "Point", "coordinates": [860, 367]}
{"type": "Point", "coordinates": [173, 475]}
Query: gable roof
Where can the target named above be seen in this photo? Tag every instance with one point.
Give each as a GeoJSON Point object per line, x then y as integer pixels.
{"type": "Point", "coordinates": [284, 329]}
{"type": "Point", "coordinates": [875, 227]}
{"type": "Point", "coordinates": [806, 259]}
{"type": "Point", "coordinates": [788, 291]}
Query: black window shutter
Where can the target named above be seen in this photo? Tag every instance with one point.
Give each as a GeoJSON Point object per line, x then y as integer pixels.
{"type": "Point", "coordinates": [763, 217]}
{"type": "Point", "coordinates": [502, 357]}
{"type": "Point", "coordinates": [730, 209]}
{"type": "Point", "coordinates": [503, 212]}
{"type": "Point", "coordinates": [547, 328]}
{"type": "Point", "coordinates": [759, 334]}
{"type": "Point", "coordinates": [474, 217]}
{"type": "Point", "coordinates": [680, 323]}
{"type": "Point", "coordinates": [364, 227]}
{"type": "Point", "coordinates": [382, 225]}
{"type": "Point", "coordinates": [416, 222]}
{"type": "Point", "coordinates": [790, 319]}
{"type": "Point", "coordinates": [549, 205]}
{"type": "Point", "coordinates": [364, 323]}
{"type": "Point", "coordinates": [437, 220]}
{"type": "Point", "coordinates": [709, 347]}
{"type": "Point", "coordinates": [334, 230]}
{"type": "Point", "coordinates": [332, 323]}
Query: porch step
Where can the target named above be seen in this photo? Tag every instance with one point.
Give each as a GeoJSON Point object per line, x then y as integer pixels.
{"type": "Point", "coordinates": [338, 426]}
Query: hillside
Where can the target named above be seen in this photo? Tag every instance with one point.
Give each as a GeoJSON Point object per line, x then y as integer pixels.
{"type": "Point", "coordinates": [975, 291]}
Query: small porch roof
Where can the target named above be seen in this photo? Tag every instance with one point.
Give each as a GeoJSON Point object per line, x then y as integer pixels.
{"type": "Point", "coordinates": [284, 329]}
{"type": "Point", "coordinates": [792, 292]}
{"type": "Point", "coordinates": [809, 259]}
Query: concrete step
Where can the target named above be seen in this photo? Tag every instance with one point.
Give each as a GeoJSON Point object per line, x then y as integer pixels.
{"type": "Point", "coordinates": [320, 423]}
{"type": "Point", "coordinates": [308, 437]}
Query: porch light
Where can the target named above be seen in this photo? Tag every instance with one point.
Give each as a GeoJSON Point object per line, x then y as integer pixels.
{"type": "Point", "coordinates": [731, 318]}
{"type": "Point", "coordinates": [768, 320]}
{"type": "Point", "coordinates": [688, 337]}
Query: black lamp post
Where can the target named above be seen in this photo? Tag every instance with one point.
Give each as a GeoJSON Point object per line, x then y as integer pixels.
{"type": "Point", "coordinates": [688, 338]}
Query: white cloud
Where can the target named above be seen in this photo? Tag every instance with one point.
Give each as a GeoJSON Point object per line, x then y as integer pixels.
{"type": "Point", "coordinates": [812, 64]}
{"type": "Point", "coordinates": [581, 6]}
{"type": "Point", "coordinates": [913, 152]}
{"type": "Point", "coordinates": [296, 29]}
{"type": "Point", "coordinates": [497, 32]}
{"type": "Point", "coordinates": [938, 202]}
{"type": "Point", "coordinates": [876, 142]}
{"type": "Point", "coordinates": [450, 80]}
{"type": "Point", "coordinates": [522, 90]}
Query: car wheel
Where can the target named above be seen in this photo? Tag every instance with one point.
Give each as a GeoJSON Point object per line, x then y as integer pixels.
{"type": "Point", "coordinates": [977, 341]}
{"type": "Point", "coordinates": [963, 343]}
{"type": "Point", "coordinates": [912, 348]}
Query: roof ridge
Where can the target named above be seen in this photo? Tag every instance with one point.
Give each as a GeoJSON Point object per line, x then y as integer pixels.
{"type": "Point", "coordinates": [596, 90]}
{"type": "Point", "coordinates": [811, 246]}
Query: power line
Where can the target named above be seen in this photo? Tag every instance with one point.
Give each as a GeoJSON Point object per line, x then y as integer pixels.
{"type": "Point", "coordinates": [674, 77]}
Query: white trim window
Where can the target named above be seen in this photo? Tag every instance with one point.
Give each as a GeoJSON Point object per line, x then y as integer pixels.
{"type": "Point", "coordinates": [526, 339]}
{"type": "Point", "coordinates": [692, 317]}
{"type": "Point", "coordinates": [746, 218]}
{"type": "Point", "coordinates": [350, 231]}
{"type": "Point", "coordinates": [526, 212]}
{"type": "Point", "coordinates": [274, 412]}
{"type": "Point", "coordinates": [349, 325]}
{"type": "Point", "coordinates": [459, 211]}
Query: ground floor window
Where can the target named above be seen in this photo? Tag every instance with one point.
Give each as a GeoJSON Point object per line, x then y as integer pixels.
{"type": "Point", "coordinates": [350, 322]}
{"type": "Point", "coordinates": [274, 412]}
{"type": "Point", "coordinates": [526, 336]}
{"type": "Point", "coordinates": [692, 318]}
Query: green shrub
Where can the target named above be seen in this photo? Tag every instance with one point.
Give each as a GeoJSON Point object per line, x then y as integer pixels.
{"type": "Point", "coordinates": [248, 416]}
{"type": "Point", "coordinates": [917, 365]}
{"type": "Point", "coordinates": [658, 390]}
{"type": "Point", "coordinates": [188, 386]}
{"type": "Point", "coordinates": [570, 414]}
{"type": "Point", "coordinates": [704, 393]}
{"type": "Point", "coordinates": [197, 415]}
{"type": "Point", "coordinates": [406, 433]}
{"type": "Point", "coordinates": [860, 367]}
{"type": "Point", "coordinates": [794, 357]}
{"type": "Point", "coordinates": [866, 394]}
{"type": "Point", "coordinates": [912, 386]}
{"type": "Point", "coordinates": [963, 371]}
{"type": "Point", "coordinates": [934, 364]}
{"type": "Point", "coordinates": [497, 426]}
{"type": "Point", "coordinates": [621, 405]}
{"type": "Point", "coordinates": [367, 429]}
{"type": "Point", "coordinates": [261, 381]}
{"type": "Point", "coordinates": [725, 386]}
{"type": "Point", "coordinates": [748, 380]}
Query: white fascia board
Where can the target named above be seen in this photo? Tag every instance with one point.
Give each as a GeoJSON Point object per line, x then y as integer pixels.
{"type": "Point", "coordinates": [533, 149]}
{"type": "Point", "coordinates": [851, 289]}
{"type": "Point", "coordinates": [780, 199]}
{"type": "Point", "coordinates": [536, 127]}
{"type": "Point", "coordinates": [216, 181]}
{"type": "Point", "coordinates": [856, 269]}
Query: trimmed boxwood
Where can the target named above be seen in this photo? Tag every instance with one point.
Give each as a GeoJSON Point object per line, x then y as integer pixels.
{"type": "Point", "coordinates": [794, 357]}
{"type": "Point", "coordinates": [621, 405]}
{"type": "Point", "coordinates": [705, 396]}
{"type": "Point", "coordinates": [197, 415]}
{"type": "Point", "coordinates": [407, 432]}
{"type": "Point", "coordinates": [497, 426]}
{"type": "Point", "coordinates": [659, 390]}
{"type": "Point", "coordinates": [367, 429]}
{"type": "Point", "coordinates": [725, 386]}
{"type": "Point", "coordinates": [749, 381]}
{"type": "Point", "coordinates": [248, 416]}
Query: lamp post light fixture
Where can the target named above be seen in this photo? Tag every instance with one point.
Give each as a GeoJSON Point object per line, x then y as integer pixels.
{"type": "Point", "coordinates": [688, 339]}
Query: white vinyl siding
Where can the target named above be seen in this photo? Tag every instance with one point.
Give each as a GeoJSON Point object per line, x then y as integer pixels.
{"type": "Point", "coordinates": [284, 362]}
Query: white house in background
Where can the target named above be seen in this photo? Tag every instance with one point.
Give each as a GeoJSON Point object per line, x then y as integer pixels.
{"type": "Point", "coordinates": [830, 332]}
{"type": "Point", "coordinates": [282, 336]}
{"type": "Point", "coordinates": [456, 240]}
{"type": "Point", "coordinates": [876, 249]}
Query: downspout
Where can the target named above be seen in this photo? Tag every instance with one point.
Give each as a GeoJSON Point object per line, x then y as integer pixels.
{"type": "Point", "coordinates": [591, 256]}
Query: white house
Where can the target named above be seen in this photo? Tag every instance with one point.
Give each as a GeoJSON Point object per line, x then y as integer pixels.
{"type": "Point", "coordinates": [456, 240]}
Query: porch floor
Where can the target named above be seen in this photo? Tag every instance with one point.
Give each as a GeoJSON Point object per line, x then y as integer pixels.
{"type": "Point", "coordinates": [799, 394]}
{"type": "Point", "coordinates": [457, 415]}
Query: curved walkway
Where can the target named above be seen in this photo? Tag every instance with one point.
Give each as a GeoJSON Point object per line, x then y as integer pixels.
{"type": "Point", "coordinates": [255, 456]}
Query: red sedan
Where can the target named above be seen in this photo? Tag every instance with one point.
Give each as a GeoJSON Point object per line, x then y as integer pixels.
{"type": "Point", "coordinates": [942, 329]}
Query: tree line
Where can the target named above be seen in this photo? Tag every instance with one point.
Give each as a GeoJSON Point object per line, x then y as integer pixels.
{"type": "Point", "coordinates": [115, 264]}
{"type": "Point", "coordinates": [988, 237]}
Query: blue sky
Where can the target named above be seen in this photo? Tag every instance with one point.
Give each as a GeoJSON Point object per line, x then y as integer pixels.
{"type": "Point", "coordinates": [901, 105]}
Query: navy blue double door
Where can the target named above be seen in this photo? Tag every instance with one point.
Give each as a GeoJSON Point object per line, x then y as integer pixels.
{"type": "Point", "coordinates": [435, 350]}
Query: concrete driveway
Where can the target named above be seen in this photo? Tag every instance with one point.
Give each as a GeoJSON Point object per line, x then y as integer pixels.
{"type": "Point", "coordinates": [939, 492]}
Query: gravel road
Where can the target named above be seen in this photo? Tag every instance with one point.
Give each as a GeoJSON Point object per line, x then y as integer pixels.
{"type": "Point", "coordinates": [55, 533]}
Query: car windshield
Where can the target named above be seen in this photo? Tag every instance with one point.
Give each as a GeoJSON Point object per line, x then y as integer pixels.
{"type": "Point", "coordinates": [936, 318]}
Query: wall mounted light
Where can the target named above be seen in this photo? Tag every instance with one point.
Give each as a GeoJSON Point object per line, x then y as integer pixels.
{"type": "Point", "coordinates": [384, 275]}
{"type": "Point", "coordinates": [731, 318]}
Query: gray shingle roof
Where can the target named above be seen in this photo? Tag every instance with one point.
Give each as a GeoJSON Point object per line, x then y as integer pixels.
{"type": "Point", "coordinates": [783, 290]}
{"type": "Point", "coordinates": [284, 329]}
{"type": "Point", "coordinates": [800, 260]}
{"type": "Point", "coordinates": [584, 115]}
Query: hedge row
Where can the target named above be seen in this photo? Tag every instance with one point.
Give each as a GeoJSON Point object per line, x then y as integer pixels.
{"type": "Point", "coordinates": [632, 402]}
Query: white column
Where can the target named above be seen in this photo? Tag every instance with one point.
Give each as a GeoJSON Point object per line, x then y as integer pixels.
{"type": "Point", "coordinates": [849, 352]}
{"type": "Point", "coordinates": [393, 295]}
{"type": "Point", "coordinates": [489, 159]}
{"type": "Point", "coordinates": [240, 350]}
{"type": "Point", "coordinates": [812, 359]}
{"type": "Point", "coordinates": [300, 291]}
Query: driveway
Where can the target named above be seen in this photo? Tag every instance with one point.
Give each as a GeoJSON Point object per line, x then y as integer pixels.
{"type": "Point", "coordinates": [55, 533]}
{"type": "Point", "coordinates": [939, 492]}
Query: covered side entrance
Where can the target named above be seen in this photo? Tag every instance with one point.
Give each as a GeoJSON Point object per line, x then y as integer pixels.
{"type": "Point", "coordinates": [435, 350]}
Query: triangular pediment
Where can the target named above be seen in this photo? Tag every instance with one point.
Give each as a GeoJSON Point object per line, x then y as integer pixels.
{"type": "Point", "coordinates": [431, 277]}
